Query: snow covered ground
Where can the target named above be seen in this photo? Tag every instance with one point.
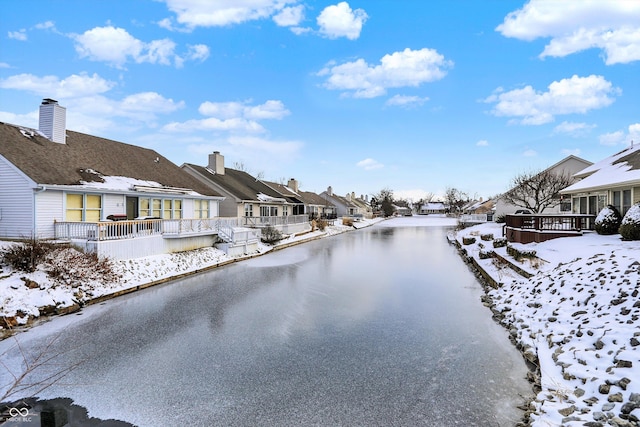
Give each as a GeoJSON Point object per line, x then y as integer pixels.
{"type": "Point", "coordinates": [577, 318]}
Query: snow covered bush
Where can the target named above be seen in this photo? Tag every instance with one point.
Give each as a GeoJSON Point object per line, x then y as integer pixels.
{"type": "Point", "coordinates": [608, 220]}
{"type": "Point", "coordinates": [270, 235]}
{"type": "Point", "coordinates": [500, 242]}
{"type": "Point", "coordinates": [630, 225]}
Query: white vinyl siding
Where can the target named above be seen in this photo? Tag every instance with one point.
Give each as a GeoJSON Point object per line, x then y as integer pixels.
{"type": "Point", "coordinates": [16, 203]}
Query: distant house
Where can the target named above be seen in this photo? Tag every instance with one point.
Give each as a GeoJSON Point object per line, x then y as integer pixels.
{"type": "Point", "coordinates": [432, 208]}
{"type": "Point", "coordinates": [614, 180]}
{"type": "Point", "coordinates": [255, 203]}
{"type": "Point", "coordinates": [480, 207]}
{"type": "Point", "coordinates": [345, 206]}
{"type": "Point", "coordinates": [314, 205]}
{"type": "Point", "coordinates": [116, 199]}
{"type": "Point", "coordinates": [570, 165]}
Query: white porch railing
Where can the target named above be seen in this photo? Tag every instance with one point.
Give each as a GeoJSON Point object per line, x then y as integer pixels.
{"type": "Point", "coordinates": [130, 229]}
{"type": "Point", "coordinates": [263, 221]}
{"type": "Point", "coordinates": [467, 218]}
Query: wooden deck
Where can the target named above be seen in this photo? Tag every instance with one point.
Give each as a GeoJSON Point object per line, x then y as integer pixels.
{"type": "Point", "coordinates": [542, 227]}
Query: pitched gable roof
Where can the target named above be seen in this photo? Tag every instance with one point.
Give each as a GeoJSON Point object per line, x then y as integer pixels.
{"type": "Point", "coordinates": [311, 198]}
{"type": "Point", "coordinates": [239, 183]}
{"type": "Point", "coordinates": [619, 169]}
{"type": "Point", "coordinates": [85, 158]}
{"type": "Point", "coordinates": [285, 191]}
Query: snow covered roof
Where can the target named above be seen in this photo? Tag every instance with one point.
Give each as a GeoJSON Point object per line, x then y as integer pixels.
{"type": "Point", "coordinates": [622, 168]}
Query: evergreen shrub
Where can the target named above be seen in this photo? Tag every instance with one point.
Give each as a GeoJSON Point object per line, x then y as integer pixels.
{"type": "Point", "coordinates": [630, 225]}
{"type": "Point", "coordinates": [608, 220]}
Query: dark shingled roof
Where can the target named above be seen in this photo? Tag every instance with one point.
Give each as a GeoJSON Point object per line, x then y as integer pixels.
{"type": "Point", "coordinates": [315, 199]}
{"type": "Point", "coordinates": [237, 182]}
{"type": "Point", "coordinates": [47, 162]}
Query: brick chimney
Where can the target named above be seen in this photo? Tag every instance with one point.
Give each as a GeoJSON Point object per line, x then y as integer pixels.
{"type": "Point", "coordinates": [216, 163]}
{"type": "Point", "coordinates": [53, 121]}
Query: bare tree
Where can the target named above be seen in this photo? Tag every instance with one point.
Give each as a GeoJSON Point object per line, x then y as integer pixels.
{"type": "Point", "coordinates": [455, 199]}
{"type": "Point", "coordinates": [537, 191]}
{"type": "Point", "coordinates": [46, 364]}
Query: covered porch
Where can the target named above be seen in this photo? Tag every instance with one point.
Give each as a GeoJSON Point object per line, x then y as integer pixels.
{"type": "Point", "coordinates": [538, 228]}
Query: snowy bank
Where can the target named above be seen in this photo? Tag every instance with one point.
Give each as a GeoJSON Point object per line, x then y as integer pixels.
{"type": "Point", "coordinates": [26, 297]}
{"type": "Point", "coordinates": [571, 306]}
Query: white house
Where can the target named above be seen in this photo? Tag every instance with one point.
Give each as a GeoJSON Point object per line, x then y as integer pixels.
{"type": "Point", "coordinates": [117, 199]}
{"type": "Point", "coordinates": [611, 181]}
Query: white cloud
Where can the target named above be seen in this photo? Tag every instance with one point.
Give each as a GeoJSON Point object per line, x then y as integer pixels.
{"type": "Point", "coordinates": [567, 96]}
{"type": "Point", "coordinates": [530, 153]}
{"type": "Point", "coordinates": [235, 117]}
{"type": "Point", "coordinates": [399, 69]}
{"type": "Point", "coordinates": [573, 129]}
{"type": "Point", "coordinates": [4, 65]}
{"type": "Point", "coordinates": [20, 35]}
{"type": "Point", "coordinates": [406, 101]}
{"type": "Point", "coordinates": [235, 124]}
{"type": "Point", "coordinates": [369, 164]}
{"type": "Point", "coordinates": [272, 109]}
{"type": "Point", "coordinates": [47, 25]}
{"type": "Point", "coordinates": [198, 52]}
{"type": "Point", "coordinates": [574, 26]}
{"type": "Point", "coordinates": [108, 44]}
{"type": "Point", "coordinates": [289, 16]}
{"type": "Point", "coordinates": [117, 47]}
{"type": "Point", "coordinates": [251, 151]}
{"type": "Point", "coordinates": [620, 137]}
{"type": "Point", "coordinates": [74, 86]}
{"type": "Point", "coordinates": [341, 21]}
{"type": "Point", "coordinates": [207, 13]}
{"type": "Point", "coordinates": [482, 143]}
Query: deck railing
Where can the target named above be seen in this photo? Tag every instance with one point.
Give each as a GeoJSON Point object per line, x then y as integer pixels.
{"type": "Point", "coordinates": [116, 230]}
{"type": "Point", "coordinates": [542, 222]}
{"type": "Point", "coordinates": [263, 221]}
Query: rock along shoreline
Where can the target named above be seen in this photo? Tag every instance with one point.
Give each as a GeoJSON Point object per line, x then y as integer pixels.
{"type": "Point", "coordinates": [574, 320]}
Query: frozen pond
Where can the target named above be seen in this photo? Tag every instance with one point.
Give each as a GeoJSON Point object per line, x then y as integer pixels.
{"type": "Point", "coordinates": [381, 326]}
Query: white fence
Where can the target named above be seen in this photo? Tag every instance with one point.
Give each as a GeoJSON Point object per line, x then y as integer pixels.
{"type": "Point", "coordinates": [274, 221]}
{"type": "Point", "coordinates": [130, 229]}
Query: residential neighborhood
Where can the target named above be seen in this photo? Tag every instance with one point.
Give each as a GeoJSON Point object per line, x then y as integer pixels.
{"type": "Point", "coordinates": [123, 201]}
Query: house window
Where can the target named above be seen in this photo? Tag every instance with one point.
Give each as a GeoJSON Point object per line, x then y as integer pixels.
{"type": "Point", "coordinates": [156, 208]}
{"type": "Point", "coordinates": [177, 209]}
{"type": "Point", "coordinates": [160, 208]}
{"type": "Point", "coordinates": [268, 211]}
{"type": "Point", "coordinates": [201, 208]}
{"type": "Point", "coordinates": [285, 210]}
{"type": "Point", "coordinates": [626, 201]}
{"type": "Point", "coordinates": [84, 207]}
{"type": "Point", "coordinates": [248, 209]}
{"type": "Point", "coordinates": [167, 208]}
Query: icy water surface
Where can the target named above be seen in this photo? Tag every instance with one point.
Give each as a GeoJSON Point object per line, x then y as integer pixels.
{"type": "Point", "coordinates": [378, 327]}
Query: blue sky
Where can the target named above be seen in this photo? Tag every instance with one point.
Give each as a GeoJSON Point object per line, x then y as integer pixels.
{"type": "Point", "coordinates": [415, 96]}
